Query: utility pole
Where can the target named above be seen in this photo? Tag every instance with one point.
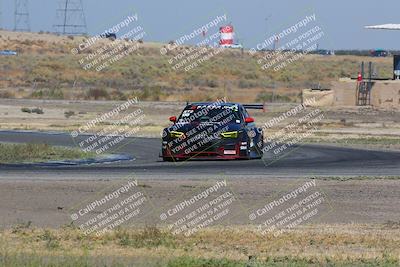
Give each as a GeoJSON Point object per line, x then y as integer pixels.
{"type": "Point", "coordinates": [21, 16]}
{"type": "Point", "coordinates": [266, 23]}
{"type": "Point", "coordinates": [70, 18]}
{"type": "Point", "coordinates": [1, 15]}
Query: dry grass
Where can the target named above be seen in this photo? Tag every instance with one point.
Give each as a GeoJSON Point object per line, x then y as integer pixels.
{"type": "Point", "coordinates": [17, 153]}
{"type": "Point", "coordinates": [46, 69]}
{"type": "Point", "coordinates": [347, 245]}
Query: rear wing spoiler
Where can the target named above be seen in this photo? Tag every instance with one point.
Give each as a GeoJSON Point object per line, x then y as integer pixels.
{"type": "Point", "coordinates": [254, 106]}
{"type": "Point", "coordinates": [246, 106]}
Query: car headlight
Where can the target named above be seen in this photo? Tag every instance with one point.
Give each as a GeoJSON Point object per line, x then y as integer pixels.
{"type": "Point", "coordinates": [230, 134]}
{"type": "Point", "coordinates": [175, 134]}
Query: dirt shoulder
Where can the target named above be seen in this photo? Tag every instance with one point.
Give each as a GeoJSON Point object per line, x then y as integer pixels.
{"type": "Point", "coordinates": [349, 126]}
{"type": "Point", "coordinates": [359, 227]}
{"type": "Point", "coordinates": [47, 203]}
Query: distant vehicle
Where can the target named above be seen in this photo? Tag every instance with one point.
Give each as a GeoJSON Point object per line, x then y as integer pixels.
{"type": "Point", "coordinates": [325, 52]}
{"type": "Point", "coordinates": [236, 46]}
{"type": "Point", "coordinates": [389, 26]}
{"type": "Point", "coordinates": [8, 53]}
{"type": "Point", "coordinates": [111, 36]}
{"type": "Point", "coordinates": [379, 53]}
{"type": "Point", "coordinates": [207, 130]}
{"type": "Point", "coordinates": [233, 46]}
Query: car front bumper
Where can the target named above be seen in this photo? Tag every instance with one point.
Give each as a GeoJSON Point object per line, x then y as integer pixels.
{"type": "Point", "coordinates": [216, 149]}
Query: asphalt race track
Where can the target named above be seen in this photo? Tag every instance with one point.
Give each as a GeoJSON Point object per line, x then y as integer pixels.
{"type": "Point", "coordinates": [303, 161]}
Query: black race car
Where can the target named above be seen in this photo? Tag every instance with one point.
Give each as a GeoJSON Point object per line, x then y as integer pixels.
{"type": "Point", "coordinates": [213, 130]}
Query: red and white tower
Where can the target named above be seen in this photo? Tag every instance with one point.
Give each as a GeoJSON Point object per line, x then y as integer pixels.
{"type": "Point", "coordinates": [227, 36]}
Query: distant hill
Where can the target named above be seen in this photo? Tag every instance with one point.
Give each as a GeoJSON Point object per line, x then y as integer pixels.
{"type": "Point", "coordinates": [46, 67]}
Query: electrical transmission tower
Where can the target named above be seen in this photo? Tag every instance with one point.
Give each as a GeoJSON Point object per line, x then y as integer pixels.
{"type": "Point", "coordinates": [70, 18]}
{"type": "Point", "coordinates": [21, 16]}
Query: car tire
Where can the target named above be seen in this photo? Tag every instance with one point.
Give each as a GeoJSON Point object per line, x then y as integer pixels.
{"type": "Point", "coordinates": [168, 159]}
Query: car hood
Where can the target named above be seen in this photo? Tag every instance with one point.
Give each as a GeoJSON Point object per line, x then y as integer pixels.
{"type": "Point", "coordinates": [186, 127]}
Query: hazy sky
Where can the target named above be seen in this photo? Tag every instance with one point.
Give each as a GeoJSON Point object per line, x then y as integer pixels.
{"type": "Point", "coordinates": [341, 20]}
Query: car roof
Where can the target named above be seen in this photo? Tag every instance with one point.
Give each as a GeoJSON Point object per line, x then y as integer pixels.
{"type": "Point", "coordinates": [214, 103]}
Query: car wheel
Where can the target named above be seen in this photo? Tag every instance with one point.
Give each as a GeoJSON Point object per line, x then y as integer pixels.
{"type": "Point", "coordinates": [168, 159]}
{"type": "Point", "coordinates": [258, 148]}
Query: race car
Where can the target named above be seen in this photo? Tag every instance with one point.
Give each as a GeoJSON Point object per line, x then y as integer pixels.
{"type": "Point", "coordinates": [213, 130]}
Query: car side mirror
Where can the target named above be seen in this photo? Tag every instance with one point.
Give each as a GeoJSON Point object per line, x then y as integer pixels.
{"type": "Point", "coordinates": [172, 119]}
{"type": "Point", "coordinates": [249, 120]}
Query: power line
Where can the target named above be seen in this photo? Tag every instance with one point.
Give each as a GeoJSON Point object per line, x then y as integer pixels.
{"type": "Point", "coordinates": [70, 18]}
{"type": "Point", "coordinates": [21, 16]}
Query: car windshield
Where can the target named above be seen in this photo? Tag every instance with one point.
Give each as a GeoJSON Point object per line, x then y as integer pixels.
{"type": "Point", "coordinates": [210, 114]}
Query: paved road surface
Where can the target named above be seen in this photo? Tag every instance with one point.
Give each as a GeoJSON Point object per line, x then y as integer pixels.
{"type": "Point", "coordinates": [300, 162]}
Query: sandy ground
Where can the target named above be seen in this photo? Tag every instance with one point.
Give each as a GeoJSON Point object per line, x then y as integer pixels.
{"type": "Point", "coordinates": [338, 123]}
{"type": "Point", "coordinates": [50, 203]}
